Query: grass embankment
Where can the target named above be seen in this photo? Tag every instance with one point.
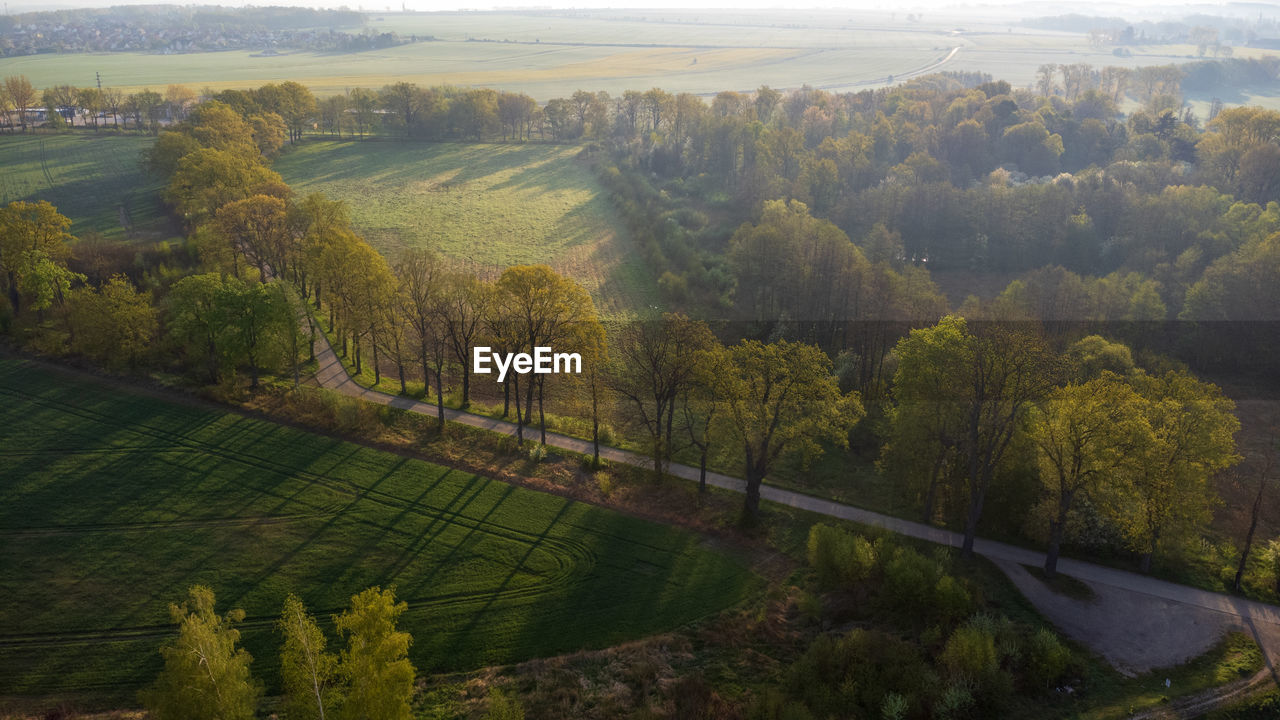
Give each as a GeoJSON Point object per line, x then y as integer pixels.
{"type": "Point", "coordinates": [96, 179]}
{"type": "Point", "coordinates": [114, 503]}
{"type": "Point", "coordinates": [483, 206]}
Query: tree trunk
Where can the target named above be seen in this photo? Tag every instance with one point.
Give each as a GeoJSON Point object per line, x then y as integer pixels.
{"type": "Point", "coordinates": [1248, 540]}
{"type": "Point", "coordinates": [595, 426]}
{"type": "Point", "coordinates": [404, 390]}
{"type": "Point", "coordinates": [931, 494]}
{"type": "Point", "coordinates": [355, 340]}
{"type": "Point", "coordinates": [377, 367]}
{"type": "Point", "coordinates": [440, 396]}
{"type": "Point", "coordinates": [519, 417]}
{"type": "Point", "coordinates": [1144, 565]}
{"type": "Point", "coordinates": [751, 506]}
{"type": "Point", "coordinates": [1056, 527]}
{"type": "Point", "coordinates": [506, 398]}
{"type": "Point", "coordinates": [466, 385]}
{"type": "Point", "coordinates": [702, 471]}
{"type": "Point", "coordinates": [542, 418]}
{"type": "Point", "coordinates": [971, 521]}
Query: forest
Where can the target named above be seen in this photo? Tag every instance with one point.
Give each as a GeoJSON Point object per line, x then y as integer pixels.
{"type": "Point", "coordinates": [816, 255]}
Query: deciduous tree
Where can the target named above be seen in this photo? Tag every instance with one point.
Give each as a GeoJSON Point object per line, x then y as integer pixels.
{"type": "Point", "coordinates": [779, 399]}
{"type": "Point", "coordinates": [206, 676]}
{"type": "Point", "coordinates": [375, 664]}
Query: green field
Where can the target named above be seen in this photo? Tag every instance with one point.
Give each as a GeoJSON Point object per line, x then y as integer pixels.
{"type": "Point", "coordinates": [113, 503]}
{"type": "Point", "coordinates": [485, 206]}
{"type": "Point", "coordinates": [96, 180]}
{"type": "Point", "coordinates": [552, 54]}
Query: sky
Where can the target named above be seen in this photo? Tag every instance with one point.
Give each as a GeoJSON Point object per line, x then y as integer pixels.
{"type": "Point", "coordinates": [438, 5]}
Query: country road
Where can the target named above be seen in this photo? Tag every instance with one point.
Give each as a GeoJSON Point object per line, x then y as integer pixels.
{"type": "Point", "coordinates": [1138, 622]}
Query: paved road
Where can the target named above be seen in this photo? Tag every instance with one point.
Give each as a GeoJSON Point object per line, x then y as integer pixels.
{"type": "Point", "coordinates": [1260, 619]}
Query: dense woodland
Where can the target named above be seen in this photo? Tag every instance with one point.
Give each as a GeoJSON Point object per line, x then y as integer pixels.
{"type": "Point", "coordinates": [795, 237]}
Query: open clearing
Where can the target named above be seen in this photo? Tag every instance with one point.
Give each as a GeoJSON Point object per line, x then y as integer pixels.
{"type": "Point", "coordinates": [96, 180]}
{"type": "Point", "coordinates": [113, 503]}
{"type": "Point", "coordinates": [484, 206]}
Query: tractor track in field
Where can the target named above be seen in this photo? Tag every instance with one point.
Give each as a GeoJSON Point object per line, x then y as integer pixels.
{"type": "Point", "coordinates": [570, 559]}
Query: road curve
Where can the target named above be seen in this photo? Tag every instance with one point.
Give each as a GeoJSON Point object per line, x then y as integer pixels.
{"type": "Point", "coordinates": [1260, 619]}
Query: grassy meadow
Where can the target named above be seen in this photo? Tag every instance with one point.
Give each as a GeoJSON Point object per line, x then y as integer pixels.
{"type": "Point", "coordinates": [96, 180]}
{"type": "Point", "coordinates": [483, 206]}
{"type": "Point", "coordinates": [113, 503]}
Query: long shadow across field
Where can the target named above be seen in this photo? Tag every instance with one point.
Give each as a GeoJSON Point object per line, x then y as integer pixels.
{"type": "Point", "coordinates": [113, 504]}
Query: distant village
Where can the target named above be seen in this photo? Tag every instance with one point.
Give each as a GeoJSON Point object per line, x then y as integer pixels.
{"type": "Point", "coordinates": [170, 29]}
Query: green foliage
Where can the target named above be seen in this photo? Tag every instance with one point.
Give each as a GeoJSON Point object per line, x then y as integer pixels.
{"type": "Point", "coordinates": [375, 663]}
{"type": "Point", "coordinates": [1047, 658]}
{"type": "Point", "coordinates": [503, 706]}
{"type": "Point", "coordinates": [970, 653]}
{"type": "Point", "coordinates": [307, 673]}
{"type": "Point", "coordinates": [852, 674]}
{"type": "Point", "coordinates": [114, 325]}
{"type": "Point", "coordinates": [205, 677]}
{"type": "Point", "coordinates": [841, 558]}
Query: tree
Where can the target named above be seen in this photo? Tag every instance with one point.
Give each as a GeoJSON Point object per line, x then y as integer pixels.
{"type": "Point", "coordinates": [1004, 372]}
{"type": "Point", "coordinates": [535, 307]}
{"type": "Point", "coordinates": [258, 318]}
{"type": "Point", "coordinates": [925, 418]}
{"type": "Point", "coordinates": [655, 362]}
{"type": "Point", "coordinates": [308, 674]}
{"type": "Point", "coordinates": [375, 664]}
{"type": "Point", "coordinates": [178, 99]}
{"type": "Point", "coordinates": [258, 227]}
{"type": "Point", "coordinates": [207, 179]}
{"type": "Point", "coordinates": [1084, 434]}
{"type": "Point", "coordinates": [780, 399]}
{"type": "Point", "coordinates": [1254, 513]}
{"type": "Point", "coordinates": [420, 304]}
{"type": "Point", "coordinates": [30, 233]}
{"type": "Point", "coordinates": [298, 108]}
{"type": "Point", "coordinates": [196, 319]}
{"type": "Point", "coordinates": [205, 676]}
{"type": "Point", "coordinates": [1193, 430]}
{"type": "Point", "coordinates": [463, 303]}
{"type": "Point", "coordinates": [972, 392]}
{"type": "Point", "coordinates": [22, 95]}
{"type": "Point", "coordinates": [114, 325]}
{"type": "Point", "coordinates": [268, 133]}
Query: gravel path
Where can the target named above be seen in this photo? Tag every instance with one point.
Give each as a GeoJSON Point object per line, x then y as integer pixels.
{"type": "Point", "coordinates": [1136, 622]}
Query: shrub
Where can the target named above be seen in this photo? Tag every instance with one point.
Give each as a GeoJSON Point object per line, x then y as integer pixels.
{"type": "Point", "coordinates": [971, 653]}
{"type": "Point", "coordinates": [956, 702]}
{"type": "Point", "coordinates": [504, 707]}
{"type": "Point", "coordinates": [909, 582]}
{"type": "Point", "coordinates": [894, 707]}
{"type": "Point", "coordinates": [1047, 658]}
{"type": "Point", "coordinates": [950, 600]}
{"type": "Point", "coordinates": [839, 557]}
{"type": "Point", "coordinates": [850, 676]}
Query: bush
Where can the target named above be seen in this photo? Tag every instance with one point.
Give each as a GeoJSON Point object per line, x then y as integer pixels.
{"type": "Point", "coordinates": [910, 580]}
{"type": "Point", "coordinates": [894, 707]}
{"type": "Point", "coordinates": [841, 558]}
{"type": "Point", "coordinates": [504, 707]}
{"type": "Point", "coordinates": [1047, 659]}
{"type": "Point", "coordinates": [971, 653]}
{"type": "Point", "coordinates": [852, 675]}
{"type": "Point", "coordinates": [956, 702]}
{"type": "Point", "coordinates": [950, 600]}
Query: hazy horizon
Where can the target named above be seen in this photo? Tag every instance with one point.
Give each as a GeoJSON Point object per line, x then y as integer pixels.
{"type": "Point", "coordinates": [1035, 7]}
